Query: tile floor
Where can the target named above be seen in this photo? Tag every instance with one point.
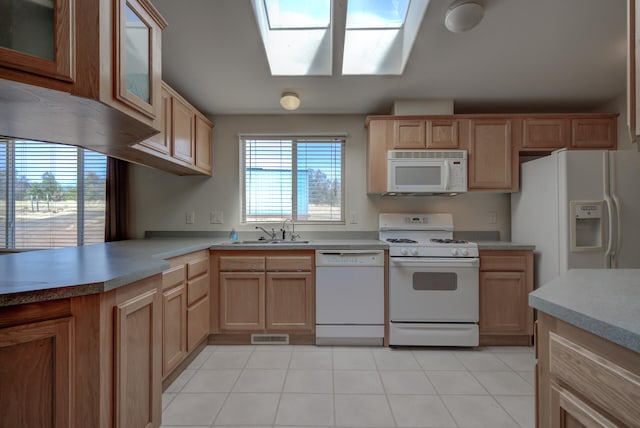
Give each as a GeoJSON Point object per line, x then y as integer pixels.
{"type": "Point", "coordinates": [308, 386]}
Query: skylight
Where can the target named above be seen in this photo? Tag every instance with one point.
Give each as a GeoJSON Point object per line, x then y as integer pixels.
{"type": "Point", "coordinates": [284, 14]}
{"type": "Point", "coordinates": [376, 14]}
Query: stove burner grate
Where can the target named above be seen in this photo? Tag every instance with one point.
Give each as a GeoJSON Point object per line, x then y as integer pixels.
{"type": "Point", "coordinates": [401, 241]}
{"type": "Point", "coordinates": [449, 241]}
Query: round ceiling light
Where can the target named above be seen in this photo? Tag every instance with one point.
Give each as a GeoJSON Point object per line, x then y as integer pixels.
{"type": "Point", "coordinates": [463, 15]}
{"type": "Point", "coordinates": [290, 101]}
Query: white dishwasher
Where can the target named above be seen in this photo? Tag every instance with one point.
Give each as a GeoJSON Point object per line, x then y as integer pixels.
{"type": "Point", "coordinates": [349, 297]}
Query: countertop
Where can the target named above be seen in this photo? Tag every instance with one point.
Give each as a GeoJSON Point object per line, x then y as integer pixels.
{"type": "Point", "coordinates": [36, 276]}
{"type": "Point", "coordinates": [605, 302]}
{"type": "Point", "coordinates": [504, 245]}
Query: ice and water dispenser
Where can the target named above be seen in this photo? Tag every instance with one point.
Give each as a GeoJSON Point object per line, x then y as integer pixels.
{"type": "Point", "coordinates": [587, 228]}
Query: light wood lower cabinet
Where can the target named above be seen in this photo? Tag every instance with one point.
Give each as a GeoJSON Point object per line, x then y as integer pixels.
{"type": "Point", "coordinates": [584, 380]}
{"type": "Point", "coordinates": [36, 372]}
{"type": "Point", "coordinates": [264, 291]}
{"type": "Point", "coordinates": [506, 279]}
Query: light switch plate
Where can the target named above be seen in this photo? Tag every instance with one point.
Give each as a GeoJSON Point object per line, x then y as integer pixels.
{"type": "Point", "coordinates": [216, 217]}
{"type": "Point", "coordinates": [353, 217]}
{"type": "Point", "coordinates": [190, 217]}
{"type": "Point", "coordinates": [493, 217]}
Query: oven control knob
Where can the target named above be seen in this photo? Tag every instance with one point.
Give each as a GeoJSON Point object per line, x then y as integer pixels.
{"type": "Point", "coordinates": [404, 252]}
{"type": "Point", "coordinates": [465, 252]}
{"type": "Point", "coordinates": [414, 252]}
{"type": "Point", "coordinates": [454, 251]}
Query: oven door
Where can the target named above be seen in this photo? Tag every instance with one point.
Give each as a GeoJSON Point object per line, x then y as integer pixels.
{"type": "Point", "coordinates": [433, 289]}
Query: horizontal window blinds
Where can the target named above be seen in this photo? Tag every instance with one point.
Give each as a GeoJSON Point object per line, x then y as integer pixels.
{"type": "Point", "coordinates": [292, 178]}
{"type": "Point", "coordinates": [53, 195]}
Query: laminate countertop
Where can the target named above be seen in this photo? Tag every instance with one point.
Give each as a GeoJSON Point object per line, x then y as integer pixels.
{"type": "Point", "coordinates": [605, 302]}
{"type": "Point", "coordinates": [504, 245]}
{"type": "Point", "coordinates": [36, 276]}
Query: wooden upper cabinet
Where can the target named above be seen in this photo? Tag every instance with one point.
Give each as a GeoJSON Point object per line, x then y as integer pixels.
{"type": "Point", "coordinates": [39, 38]}
{"type": "Point", "coordinates": [161, 142]}
{"type": "Point", "coordinates": [442, 134]}
{"type": "Point", "coordinates": [183, 131]}
{"type": "Point", "coordinates": [380, 136]}
{"type": "Point", "coordinates": [633, 68]}
{"type": "Point", "coordinates": [409, 134]}
{"type": "Point", "coordinates": [491, 161]}
{"type": "Point", "coordinates": [203, 147]}
{"type": "Point", "coordinates": [593, 134]}
{"type": "Point", "coordinates": [545, 134]}
{"type": "Point", "coordinates": [138, 62]}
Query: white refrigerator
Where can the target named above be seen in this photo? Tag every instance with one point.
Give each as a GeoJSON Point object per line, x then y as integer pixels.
{"type": "Point", "coordinates": [581, 209]}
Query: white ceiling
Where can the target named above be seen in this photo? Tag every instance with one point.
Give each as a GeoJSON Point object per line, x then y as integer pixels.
{"type": "Point", "coordinates": [525, 55]}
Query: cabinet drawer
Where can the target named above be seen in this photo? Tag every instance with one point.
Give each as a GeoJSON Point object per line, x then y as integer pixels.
{"type": "Point", "coordinates": [197, 289]}
{"type": "Point", "coordinates": [503, 263]}
{"type": "Point", "coordinates": [289, 264]}
{"type": "Point", "coordinates": [599, 380]}
{"type": "Point", "coordinates": [173, 277]}
{"type": "Point", "coordinates": [197, 267]}
{"type": "Point", "coordinates": [242, 264]}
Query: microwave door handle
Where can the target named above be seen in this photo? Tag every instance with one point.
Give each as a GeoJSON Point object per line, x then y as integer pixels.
{"type": "Point", "coordinates": [447, 173]}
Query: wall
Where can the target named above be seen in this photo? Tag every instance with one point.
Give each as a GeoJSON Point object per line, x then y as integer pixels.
{"type": "Point", "coordinates": [619, 105]}
{"type": "Point", "coordinates": [159, 201]}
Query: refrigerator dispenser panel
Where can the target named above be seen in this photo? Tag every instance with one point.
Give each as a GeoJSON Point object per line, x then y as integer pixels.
{"type": "Point", "coordinates": [587, 230]}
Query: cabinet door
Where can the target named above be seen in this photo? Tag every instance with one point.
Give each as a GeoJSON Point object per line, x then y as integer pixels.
{"type": "Point", "coordinates": [174, 328]}
{"type": "Point", "coordinates": [569, 411]}
{"type": "Point", "coordinates": [409, 134]}
{"type": "Point", "coordinates": [289, 301]}
{"type": "Point", "coordinates": [241, 300]}
{"type": "Point", "coordinates": [183, 131]}
{"type": "Point", "coordinates": [35, 367]}
{"type": "Point", "coordinates": [161, 142]}
{"type": "Point", "coordinates": [545, 134]}
{"type": "Point", "coordinates": [38, 37]}
{"type": "Point", "coordinates": [204, 152]}
{"type": "Point", "coordinates": [138, 46]}
{"type": "Point", "coordinates": [442, 134]}
{"type": "Point", "coordinates": [491, 160]}
{"type": "Point", "coordinates": [503, 303]}
{"type": "Point", "coordinates": [593, 134]}
{"type": "Point", "coordinates": [197, 323]}
{"type": "Point", "coordinates": [137, 372]}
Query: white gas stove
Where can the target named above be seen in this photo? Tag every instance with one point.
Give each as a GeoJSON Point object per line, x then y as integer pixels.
{"type": "Point", "coordinates": [433, 281]}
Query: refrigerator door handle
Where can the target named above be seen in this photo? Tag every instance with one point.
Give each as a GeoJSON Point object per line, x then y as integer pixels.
{"type": "Point", "coordinates": [610, 208]}
{"type": "Point", "coordinates": [616, 206]}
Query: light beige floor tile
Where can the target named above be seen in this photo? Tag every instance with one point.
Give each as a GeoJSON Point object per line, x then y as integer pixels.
{"type": "Point", "coordinates": [512, 349]}
{"type": "Point", "coordinates": [529, 376]}
{"type": "Point", "coordinates": [477, 361]}
{"type": "Point", "coordinates": [406, 382]}
{"type": "Point", "coordinates": [420, 411]}
{"type": "Point", "coordinates": [353, 360]}
{"type": "Point", "coordinates": [309, 381]}
{"type": "Point", "coordinates": [193, 409]}
{"type": "Point", "coordinates": [478, 412]}
{"type": "Point", "coordinates": [395, 360]}
{"type": "Point", "coordinates": [234, 348]}
{"type": "Point", "coordinates": [456, 383]}
{"type": "Point", "coordinates": [248, 409]}
{"type": "Point", "coordinates": [504, 383]}
{"type": "Point", "coordinates": [305, 410]}
{"type": "Point", "coordinates": [518, 361]}
{"type": "Point", "coordinates": [311, 348]}
{"type": "Point", "coordinates": [521, 408]}
{"type": "Point", "coordinates": [167, 397]}
{"type": "Point", "coordinates": [269, 360]}
{"type": "Point", "coordinates": [356, 410]}
{"type": "Point", "coordinates": [212, 381]}
{"type": "Point", "coordinates": [260, 380]}
{"type": "Point", "coordinates": [200, 359]}
{"type": "Point", "coordinates": [226, 360]}
{"type": "Point", "coordinates": [311, 360]}
{"type": "Point", "coordinates": [181, 380]}
{"type": "Point", "coordinates": [438, 360]}
{"type": "Point", "coordinates": [357, 382]}
{"type": "Point", "coordinates": [279, 348]}
{"type": "Point", "coordinates": [187, 426]}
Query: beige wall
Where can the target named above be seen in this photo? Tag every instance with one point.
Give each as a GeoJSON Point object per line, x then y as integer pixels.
{"type": "Point", "coordinates": [619, 105]}
{"type": "Point", "coordinates": [160, 200]}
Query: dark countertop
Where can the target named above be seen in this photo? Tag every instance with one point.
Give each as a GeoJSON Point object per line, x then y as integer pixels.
{"type": "Point", "coordinates": [605, 302]}
{"type": "Point", "coordinates": [504, 245]}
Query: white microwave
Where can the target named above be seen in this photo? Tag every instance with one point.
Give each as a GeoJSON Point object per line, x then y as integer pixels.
{"type": "Point", "coordinates": [426, 171]}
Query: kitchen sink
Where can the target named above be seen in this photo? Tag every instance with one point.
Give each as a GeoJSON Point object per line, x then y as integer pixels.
{"type": "Point", "coordinates": [268, 242]}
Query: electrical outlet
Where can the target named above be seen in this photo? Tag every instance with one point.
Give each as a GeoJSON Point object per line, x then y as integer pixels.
{"type": "Point", "coordinates": [353, 217]}
{"type": "Point", "coordinates": [191, 217]}
{"type": "Point", "coordinates": [493, 217]}
{"type": "Point", "coordinates": [216, 217]}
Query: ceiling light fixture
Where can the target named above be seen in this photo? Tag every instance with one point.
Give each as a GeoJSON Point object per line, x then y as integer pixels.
{"type": "Point", "coordinates": [463, 15]}
{"type": "Point", "coordinates": [290, 101]}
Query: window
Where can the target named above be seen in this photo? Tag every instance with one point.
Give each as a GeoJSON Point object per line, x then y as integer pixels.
{"type": "Point", "coordinates": [51, 195]}
{"type": "Point", "coordinates": [301, 179]}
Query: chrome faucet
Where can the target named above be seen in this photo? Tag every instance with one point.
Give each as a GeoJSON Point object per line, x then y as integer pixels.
{"type": "Point", "coordinates": [272, 234]}
{"type": "Point", "coordinates": [294, 235]}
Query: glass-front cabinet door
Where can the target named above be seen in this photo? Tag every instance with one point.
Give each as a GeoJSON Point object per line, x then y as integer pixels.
{"type": "Point", "coordinates": [37, 36]}
{"type": "Point", "coordinates": [138, 55]}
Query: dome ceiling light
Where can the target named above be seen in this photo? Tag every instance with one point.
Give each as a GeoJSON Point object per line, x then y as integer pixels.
{"type": "Point", "coordinates": [290, 101]}
{"type": "Point", "coordinates": [463, 15]}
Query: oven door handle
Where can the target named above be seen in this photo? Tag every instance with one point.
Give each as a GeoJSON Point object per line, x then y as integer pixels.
{"type": "Point", "coordinates": [437, 262]}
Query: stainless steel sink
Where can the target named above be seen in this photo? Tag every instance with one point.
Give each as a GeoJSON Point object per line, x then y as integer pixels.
{"type": "Point", "coordinates": [269, 242]}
